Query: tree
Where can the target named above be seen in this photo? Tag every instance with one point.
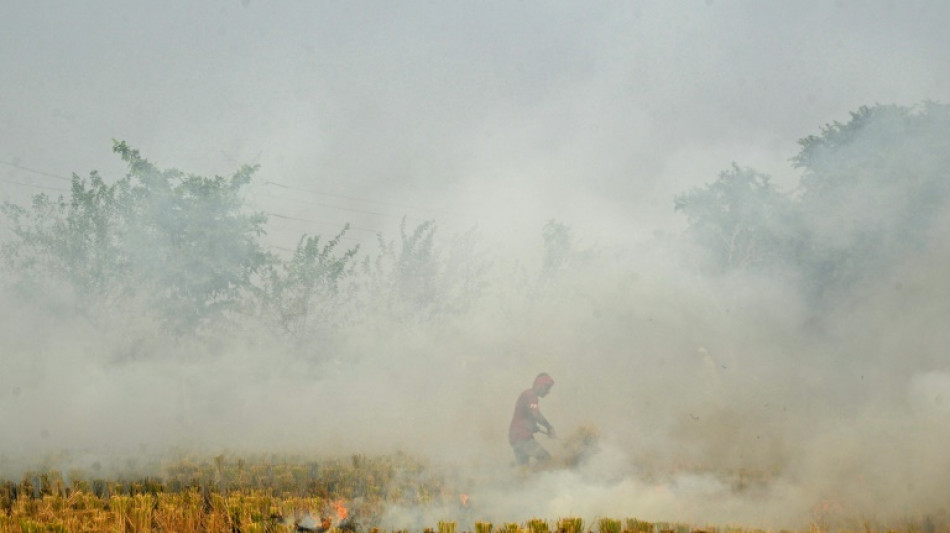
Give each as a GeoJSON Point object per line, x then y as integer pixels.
{"type": "Point", "coordinates": [558, 247]}
{"type": "Point", "coordinates": [742, 218]}
{"type": "Point", "coordinates": [70, 245]}
{"type": "Point", "coordinates": [180, 245]}
{"type": "Point", "coordinates": [406, 276]}
{"type": "Point", "coordinates": [418, 279]}
{"type": "Point", "coordinates": [310, 284]}
{"type": "Point", "coordinates": [872, 191]}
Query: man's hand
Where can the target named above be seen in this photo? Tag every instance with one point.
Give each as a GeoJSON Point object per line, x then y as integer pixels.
{"type": "Point", "coordinates": [551, 433]}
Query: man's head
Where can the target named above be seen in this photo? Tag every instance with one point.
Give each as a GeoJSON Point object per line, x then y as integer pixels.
{"type": "Point", "coordinates": [542, 384]}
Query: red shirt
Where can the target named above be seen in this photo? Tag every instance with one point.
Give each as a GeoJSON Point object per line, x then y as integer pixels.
{"type": "Point", "coordinates": [523, 425]}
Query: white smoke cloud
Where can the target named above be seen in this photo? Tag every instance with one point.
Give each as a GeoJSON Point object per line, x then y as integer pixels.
{"type": "Point", "coordinates": [501, 116]}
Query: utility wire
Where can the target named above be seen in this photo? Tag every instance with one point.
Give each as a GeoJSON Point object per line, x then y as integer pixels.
{"type": "Point", "coordinates": [268, 182]}
{"type": "Point", "coordinates": [460, 220]}
{"type": "Point", "coordinates": [275, 215]}
{"type": "Point", "coordinates": [272, 183]}
{"type": "Point", "coordinates": [353, 198]}
{"type": "Point", "coordinates": [272, 214]}
{"type": "Point", "coordinates": [40, 172]}
{"type": "Point", "coordinates": [314, 203]}
{"type": "Point", "coordinates": [352, 210]}
{"type": "Point", "coordinates": [33, 185]}
{"type": "Point", "coordinates": [325, 238]}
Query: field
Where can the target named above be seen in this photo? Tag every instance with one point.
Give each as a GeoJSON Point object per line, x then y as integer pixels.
{"type": "Point", "coordinates": [218, 494]}
{"type": "Point", "coordinates": [270, 493]}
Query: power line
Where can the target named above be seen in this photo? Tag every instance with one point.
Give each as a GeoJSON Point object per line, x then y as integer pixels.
{"type": "Point", "coordinates": [40, 172]}
{"type": "Point", "coordinates": [33, 185]}
{"type": "Point", "coordinates": [353, 198]}
{"type": "Point", "coordinates": [461, 218]}
{"type": "Point", "coordinates": [275, 215]}
{"type": "Point", "coordinates": [331, 224]}
{"type": "Point", "coordinates": [324, 238]}
{"type": "Point", "coordinates": [271, 183]}
{"type": "Point", "coordinates": [350, 209]}
{"type": "Point", "coordinates": [312, 202]}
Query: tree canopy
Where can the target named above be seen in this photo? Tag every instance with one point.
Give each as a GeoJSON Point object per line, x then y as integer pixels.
{"type": "Point", "coordinates": [187, 251]}
{"type": "Point", "coordinates": [872, 190]}
{"type": "Point", "coordinates": [182, 245]}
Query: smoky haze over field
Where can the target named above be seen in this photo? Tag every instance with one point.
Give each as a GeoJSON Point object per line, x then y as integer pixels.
{"type": "Point", "coordinates": [819, 380]}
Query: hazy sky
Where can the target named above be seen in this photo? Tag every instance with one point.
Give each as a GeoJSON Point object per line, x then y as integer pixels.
{"type": "Point", "coordinates": [488, 113]}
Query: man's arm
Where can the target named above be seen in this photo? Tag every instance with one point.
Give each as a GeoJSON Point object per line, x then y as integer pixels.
{"type": "Point", "coordinates": [540, 420]}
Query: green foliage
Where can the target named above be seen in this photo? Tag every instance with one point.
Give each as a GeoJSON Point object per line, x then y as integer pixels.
{"type": "Point", "coordinates": [416, 278]}
{"type": "Point", "coordinates": [873, 188]}
{"type": "Point", "coordinates": [184, 251]}
{"type": "Point", "coordinates": [872, 192]}
{"type": "Point", "coordinates": [309, 287]}
{"type": "Point", "coordinates": [188, 236]}
{"type": "Point", "coordinates": [558, 247]}
{"type": "Point", "coordinates": [178, 244]}
{"type": "Point", "coordinates": [68, 244]}
{"type": "Point", "coordinates": [466, 267]}
{"type": "Point", "coordinates": [416, 266]}
{"type": "Point", "coordinates": [405, 276]}
{"type": "Point", "coordinates": [742, 217]}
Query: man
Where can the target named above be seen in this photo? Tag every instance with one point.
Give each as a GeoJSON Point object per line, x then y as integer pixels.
{"type": "Point", "coordinates": [528, 420]}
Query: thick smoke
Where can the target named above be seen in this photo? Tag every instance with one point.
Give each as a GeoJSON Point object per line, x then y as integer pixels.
{"type": "Point", "coordinates": [741, 397]}
{"type": "Point", "coordinates": [717, 399]}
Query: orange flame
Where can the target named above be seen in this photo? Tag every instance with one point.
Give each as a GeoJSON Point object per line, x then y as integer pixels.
{"type": "Point", "coordinates": [464, 499]}
{"type": "Point", "coordinates": [341, 512]}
